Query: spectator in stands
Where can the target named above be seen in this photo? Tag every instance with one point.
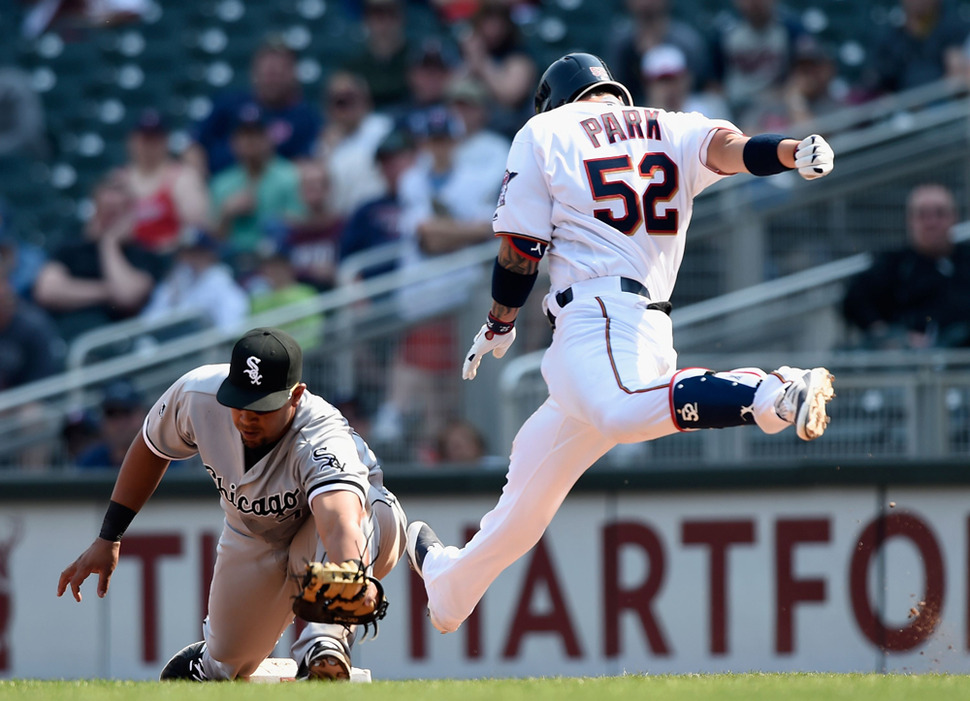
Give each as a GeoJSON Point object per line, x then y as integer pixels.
{"type": "Point", "coordinates": [276, 286]}
{"type": "Point", "coordinates": [917, 296]}
{"type": "Point", "coordinates": [926, 46]}
{"type": "Point", "coordinates": [810, 92]}
{"type": "Point", "coordinates": [312, 242]}
{"type": "Point", "coordinates": [378, 222]}
{"type": "Point", "coordinates": [753, 55]}
{"type": "Point", "coordinates": [449, 202]}
{"type": "Point", "coordinates": [169, 196]}
{"type": "Point", "coordinates": [199, 282]}
{"type": "Point", "coordinates": [122, 413]}
{"type": "Point", "coordinates": [649, 24]}
{"type": "Point", "coordinates": [256, 195]}
{"type": "Point", "coordinates": [469, 99]}
{"type": "Point", "coordinates": [20, 261]}
{"type": "Point", "coordinates": [382, 60]}
{"type": "Point", "coordinates": [667, 81]}
{"type": "Point", "coordinates": [292, 123]}
{"type": "Point", "coordinates": [448, 205]}
{"type": "Point", "coordinates": [460, 443]}
{"type": "Point", "coordinates": [431, 67]}
{"type": "Point", "coordinates": [107, 276]}
{"type": "Point", "coordinates": [349, 140]}
{"type": "Point", "coordinates": [30, 346]}
{"type": "Point", "coordinates": [495, 55]}
{"type": "Point", "coordinates": [78, 433]}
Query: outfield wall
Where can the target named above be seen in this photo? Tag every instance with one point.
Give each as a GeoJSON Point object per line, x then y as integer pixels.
{"type": "Point", "coordinates": [812, 568]}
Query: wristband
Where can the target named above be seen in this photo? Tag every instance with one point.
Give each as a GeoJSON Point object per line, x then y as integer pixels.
{"type": "Point", "coordinates": [511, 289]}
{"type": "Point", "coordinates": [497, 326]}
{"type": "Point", "coordinates": [760, 155]}
{"type": "Point", "coordinates": [116, 521]}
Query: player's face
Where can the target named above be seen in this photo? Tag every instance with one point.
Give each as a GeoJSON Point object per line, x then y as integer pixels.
{"type": "Point", "coordinates": [258, 428]}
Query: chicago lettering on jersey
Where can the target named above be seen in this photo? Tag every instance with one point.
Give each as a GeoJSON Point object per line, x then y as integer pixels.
{"type": "Point", "coordinates": [278, 504]}
{"type": "Point", "coordinates": [636, 123]}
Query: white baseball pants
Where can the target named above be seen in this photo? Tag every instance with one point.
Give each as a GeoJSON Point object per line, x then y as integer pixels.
{"type": "Point", "coordinates": [609, 371]}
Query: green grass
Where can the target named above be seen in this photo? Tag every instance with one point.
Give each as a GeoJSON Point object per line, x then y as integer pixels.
{"type": "Point", "coordinates": [707, 687]}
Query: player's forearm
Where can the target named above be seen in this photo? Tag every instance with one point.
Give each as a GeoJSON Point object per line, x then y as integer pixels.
{"type": "Point", "coordinates": [338, 516]}
{"type": "Point", "coordinates": [508, 290]}
{"type": "Point", "coordinates": [726, 152]}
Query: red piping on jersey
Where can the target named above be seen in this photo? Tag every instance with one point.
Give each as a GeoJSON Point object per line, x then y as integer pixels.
{"type": "Point", "coordinates": [609, 352]}
{"type": "Point", "coordinates": [508, 234]}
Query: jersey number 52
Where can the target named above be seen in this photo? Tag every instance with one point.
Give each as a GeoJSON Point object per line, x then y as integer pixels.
{"type": "Point", "coordinates": [639, 208]}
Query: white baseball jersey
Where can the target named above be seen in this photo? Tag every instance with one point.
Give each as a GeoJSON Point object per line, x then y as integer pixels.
{"type": "Point", "coordinates": [319, 453]}
{"type": "Point", "coordinates": [610, 188]}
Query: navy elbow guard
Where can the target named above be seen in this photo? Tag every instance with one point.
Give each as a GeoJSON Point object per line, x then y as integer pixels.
{"type": "Point", "coordinates": [761, 155]}
{"type": "Point", "coordinates": [509, 288]}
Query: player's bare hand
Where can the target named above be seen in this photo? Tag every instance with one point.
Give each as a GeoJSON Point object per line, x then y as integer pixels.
{"type": "Point", "coordinates": [814, 158]}
{"type": "Point", "coordinates": [486, 341]}
{"type": "Point", "coordinates": [100, 558]}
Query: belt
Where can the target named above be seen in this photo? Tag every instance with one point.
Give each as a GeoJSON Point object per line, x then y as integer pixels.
{"type": "Point", "coordinates": [626, 285]}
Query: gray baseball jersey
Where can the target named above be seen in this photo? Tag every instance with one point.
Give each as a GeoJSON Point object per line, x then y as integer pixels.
{"type": "Point", "coordinates": [319, 453]}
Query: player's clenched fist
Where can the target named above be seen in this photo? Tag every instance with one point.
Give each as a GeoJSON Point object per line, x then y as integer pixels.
{"type": "Point", "coordinates": [486, 340]}
{"type": "Point", "coordinates": [814, 158]}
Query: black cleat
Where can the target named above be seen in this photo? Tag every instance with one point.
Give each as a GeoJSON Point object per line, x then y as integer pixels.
{"type": "Point", "coordinates": [187, 664]}
{"type": "Point", "coordinates": [420, 539]}
{"type": "Point", "coordinates": [328, 660]}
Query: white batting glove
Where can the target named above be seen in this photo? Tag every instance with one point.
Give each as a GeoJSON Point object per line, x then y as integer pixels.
{"type": "Point", "coordinates": [486, 340]}
{"type": "Point", "coordinates": [814, 158]}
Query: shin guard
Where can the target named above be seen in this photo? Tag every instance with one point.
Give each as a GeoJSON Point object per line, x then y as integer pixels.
{"type": "Point", "coordinates": [700, 398]}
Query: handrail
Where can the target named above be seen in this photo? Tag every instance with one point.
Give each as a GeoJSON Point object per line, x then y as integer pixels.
{"type": "Point", "coordinates": [129, 328]}
{"type": "Point", "coordinates": [351, 266]}
{"type": "Point", "coordinates": [206, 339]}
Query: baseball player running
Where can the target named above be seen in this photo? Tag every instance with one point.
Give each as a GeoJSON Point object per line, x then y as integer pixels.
{"type": "Point", "coordinates": [297, 485]}
{"type": "Point", "coordinates": [606, 188]}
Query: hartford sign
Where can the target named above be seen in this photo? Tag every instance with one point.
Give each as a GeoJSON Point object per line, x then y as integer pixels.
{"type": "Point", "coordinates": [807, 580]}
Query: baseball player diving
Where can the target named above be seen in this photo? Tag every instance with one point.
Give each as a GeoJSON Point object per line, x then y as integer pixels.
{"type": "Point", "coordinates": [604, 190]}
{"type": "Point", "coordinates": [309, 526]}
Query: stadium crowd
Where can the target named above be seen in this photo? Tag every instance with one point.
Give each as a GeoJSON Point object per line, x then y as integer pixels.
{"type": "Point", "coordinates": [405, 142]}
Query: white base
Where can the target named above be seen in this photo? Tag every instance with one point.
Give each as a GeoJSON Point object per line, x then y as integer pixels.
{"type": "Point", "coordinates": [274, 670]}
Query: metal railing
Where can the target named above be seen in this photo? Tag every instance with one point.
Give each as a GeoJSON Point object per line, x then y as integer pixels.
{"type": "Point", "coordinates": [888, 404]}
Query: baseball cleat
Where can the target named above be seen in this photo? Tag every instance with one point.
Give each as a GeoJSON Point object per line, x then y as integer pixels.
{"type": "Point", "coordinates": [804, 399]}
{"type": "Point", "coordinates": [420, 539]}
{"type": "Point", "coordinates": [187, 664]}
{"type": "Point", "coordinates": [328, 660]}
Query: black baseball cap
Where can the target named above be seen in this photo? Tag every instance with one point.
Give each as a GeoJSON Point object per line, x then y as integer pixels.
{"type": "Point", "coordinates": [249, 116]}
{"type": "Point", "coordinates": [266, 365]}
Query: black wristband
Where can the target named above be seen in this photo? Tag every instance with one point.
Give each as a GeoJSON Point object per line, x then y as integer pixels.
{"type": "Point", "coordinates": [116, 521]}
{"type": "Point", "coordinates": [497, 326]}
{"type": "Point", "coordinates": [761, 155]}
{"type": "Point", "coordinates": [511, 289]}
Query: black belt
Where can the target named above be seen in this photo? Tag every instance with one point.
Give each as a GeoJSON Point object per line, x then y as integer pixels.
{"type": "Point", "coordinates": [626, 285]}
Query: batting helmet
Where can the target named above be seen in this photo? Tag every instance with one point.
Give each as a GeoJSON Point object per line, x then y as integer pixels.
{"type": "Point", "coordinates": [569, 78]}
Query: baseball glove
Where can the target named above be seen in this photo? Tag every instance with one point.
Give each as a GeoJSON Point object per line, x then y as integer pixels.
{"type": "Point", "coordinates": [335, 593]}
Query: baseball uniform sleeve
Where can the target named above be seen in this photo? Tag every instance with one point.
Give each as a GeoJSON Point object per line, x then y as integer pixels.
{"type": "Point", "coordinates": [330, 459]}
{"type": "Point", "coordinates": [697, 132]}
{"type": "Point", "coordinates": [524, 202]}
{"type": "Point", "coordinates": [167, 429]}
